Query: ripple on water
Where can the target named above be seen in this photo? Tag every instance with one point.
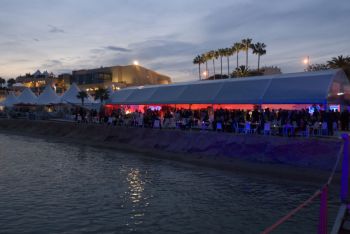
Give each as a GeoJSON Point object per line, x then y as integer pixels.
{"type": "Point", "coordinates": [48, 187]}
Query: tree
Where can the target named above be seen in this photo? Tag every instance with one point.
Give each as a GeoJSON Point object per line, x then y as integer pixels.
{"type": "Point", "coordinates": [317, 67]}
{"type": "Point", "coordinates": [101, 94]}
{"type": "Point", "coordinates": [82, 95]}
{"type": "Point", "coordinates": [2, 81]}
{"type": "Point", "coordinates": [246, 45]}
{"type": "Point", "coordinates": [222, 53]}
{"type": "Point", "coordinates": [242, 71]}
{"type": "Point", "coordinates": [228, 53]}
{"type": "Point", "coordinates": [339, 62]}
{"type": "Point", "coordinates": [198, 60]}
{"type": "Point", "coordinates": [213, 55]}
{"type": "Point", "coordinates": [237, 47]}
{"type": "Point", "coordinates": [259, 49]}
{"type": "Point", "coordinates": [11, 82]}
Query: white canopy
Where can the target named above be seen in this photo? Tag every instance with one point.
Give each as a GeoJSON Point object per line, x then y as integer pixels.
{"type": "Point", "coordinates": [10, 100]}
{"type": "Point", "coordinates": [48, 97]}
{"type": "Point", "coordinates": [27, 97]}
{"type": "Point", "coordinates": [70, 96]}
{"type": "Point", "coordinates": [330, 86]}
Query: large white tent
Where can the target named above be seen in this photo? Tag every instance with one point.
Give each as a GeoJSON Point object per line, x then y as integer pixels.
{"type": "Point", "coordinates": [27, 97]}
{"type": "Point", "coordinates": [323, 87]}
{"type": "Point", "coordinates": [10, 100]}
{"type": "Point", "coordinates": [48, 97]}
{"type": "Point", "coordinates": [70, 96]}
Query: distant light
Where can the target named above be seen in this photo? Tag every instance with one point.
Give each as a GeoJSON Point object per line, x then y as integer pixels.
{"type": "Point", "coordinates": [205, 73]}
{"type": "Point", "coordinates": [306, 60]}
{"type": "Point", "coordinates": [136, 63]}
{"type": "Point", "coordinates": [340, 93]}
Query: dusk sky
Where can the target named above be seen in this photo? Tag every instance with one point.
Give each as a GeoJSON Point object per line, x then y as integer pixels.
{"type": "Point", "coordinates": [65, 35]}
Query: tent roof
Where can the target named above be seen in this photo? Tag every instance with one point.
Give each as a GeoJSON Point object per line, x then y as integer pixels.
{"type": "Point", "coordinates": [48, 97]}
{"type": "Point", "coordinates": [70, 96]}
{"type": "Point", "coordinates": [10, 100]}
{"type": "Point", "coordinates": [330, 86]}
{"type": "Point", "coordinates": [27, 97]}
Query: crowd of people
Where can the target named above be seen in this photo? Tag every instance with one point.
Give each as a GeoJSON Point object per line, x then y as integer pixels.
{"type": "Point", "coordinates": [260, 121]}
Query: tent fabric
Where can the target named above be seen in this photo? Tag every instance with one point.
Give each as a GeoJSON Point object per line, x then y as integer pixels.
{"type": "Point", "coordinates": [27, 97]}
{"type": "Point", "coordinates": [70, 96]}
{"type": "Point", "coordinates": [48, 96]}
{"type": "Point", "coordinates": [323, 87]}
{"type": "Point", "coordinates": [10, 100]}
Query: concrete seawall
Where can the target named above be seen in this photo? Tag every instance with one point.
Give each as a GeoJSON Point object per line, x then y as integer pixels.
{"type": "Point", "coordinates": [211, 148]}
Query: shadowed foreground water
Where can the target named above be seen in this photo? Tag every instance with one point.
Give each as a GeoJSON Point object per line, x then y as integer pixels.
{"type": "Point", "coordinates": [52, 187]}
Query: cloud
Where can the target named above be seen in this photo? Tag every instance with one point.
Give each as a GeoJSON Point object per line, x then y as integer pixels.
{"type": "Point", "coordinates": [51, 64]}
{"type": "Point", "coordinates": [55, 29]}
{"type": "Point", "coordinates": [118, 49]}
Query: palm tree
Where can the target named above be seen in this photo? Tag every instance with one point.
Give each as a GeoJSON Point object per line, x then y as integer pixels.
{"type": "Point", "coordinates": [259, 49]}
{"type": "Point", "coordinates": [213, 55]}
{"type": "Point", "coordinates": [198, 60]}
{"type": "Point", "coordinates": [205, 59]}
{"type": "Point", "coordinates": [222, 53]}
{"type": "Point", "coordinates": [82, 95]}
{"type": "Point", "coordinates": [339, 62]}
{"type": "Point", "coordinates": [246, 45]}
{"type": "Point", "coordinates": [101, 94]}
{"type": "Point", "coordinates": [228, 53]}
{"type": "Point", "coordinates": [242, 71]}
{"type": "Point", "coordinates": [11, 82]}
{"type": "Point", "coordinates": [210, 56]}
{"type": "Point", "coordinates": [237, 47]}
{"type": "Point", "coordinates": [2, 81]}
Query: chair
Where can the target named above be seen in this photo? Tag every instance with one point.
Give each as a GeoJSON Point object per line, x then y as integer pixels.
{"type": "Point", "coordinates": [247, 128]}
{"type": "Point", "coordinates": [172, 123]}
{"type": "Point", "coordinates": [267, 128]}
{"type": "Point", "coordinates": [156, 123]}
{"type": "Point", "coordinates": [335, 127]}
{"type": "Point", "coordinates": [235, 127]}
{"type": "Point", "coordinates": [218, 126]}
{"type": "Point", "coordinates": [316, 130]}
{"type": "Point", "coordinates": [324, 128]}
{"type": "Point", "coordinates": [306, 133]}
{"type": "Point", "coordinates": [140, 121]}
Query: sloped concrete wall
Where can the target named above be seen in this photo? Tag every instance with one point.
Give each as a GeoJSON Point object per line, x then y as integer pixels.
{"type": "Point", "coordinates": [211, 147]}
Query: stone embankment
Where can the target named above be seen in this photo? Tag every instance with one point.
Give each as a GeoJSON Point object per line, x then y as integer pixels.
{"type": "Point", "coordinates": [225, 150]}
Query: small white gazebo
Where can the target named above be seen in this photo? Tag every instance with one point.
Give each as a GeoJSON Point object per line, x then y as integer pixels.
{"type": "Point", "coordinates": [48, 97]}
{"type": "Point", "coordinates": [10, 100]}
{"type": "Point", "coordinates": [27, 97]}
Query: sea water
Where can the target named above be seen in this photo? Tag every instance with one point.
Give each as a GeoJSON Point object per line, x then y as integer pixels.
{"type": "Point", "coordinates": [55, 187]}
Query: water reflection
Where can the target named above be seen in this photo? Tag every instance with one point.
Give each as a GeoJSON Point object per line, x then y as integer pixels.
{"type": "Point", "coordinates": [136, 187]}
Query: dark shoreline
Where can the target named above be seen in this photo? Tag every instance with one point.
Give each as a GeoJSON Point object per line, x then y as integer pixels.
{"type": "Point", "coordinates": [219, 150]}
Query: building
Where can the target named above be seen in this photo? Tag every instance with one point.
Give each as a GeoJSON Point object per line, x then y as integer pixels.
{"type": "Point", "coordinates": [39, 80]}
{"type": "Point", "coordinates": [118, 77]}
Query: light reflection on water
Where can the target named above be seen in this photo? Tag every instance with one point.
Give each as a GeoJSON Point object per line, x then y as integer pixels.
{"type": "Point", "coordinates": [48, 187]}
